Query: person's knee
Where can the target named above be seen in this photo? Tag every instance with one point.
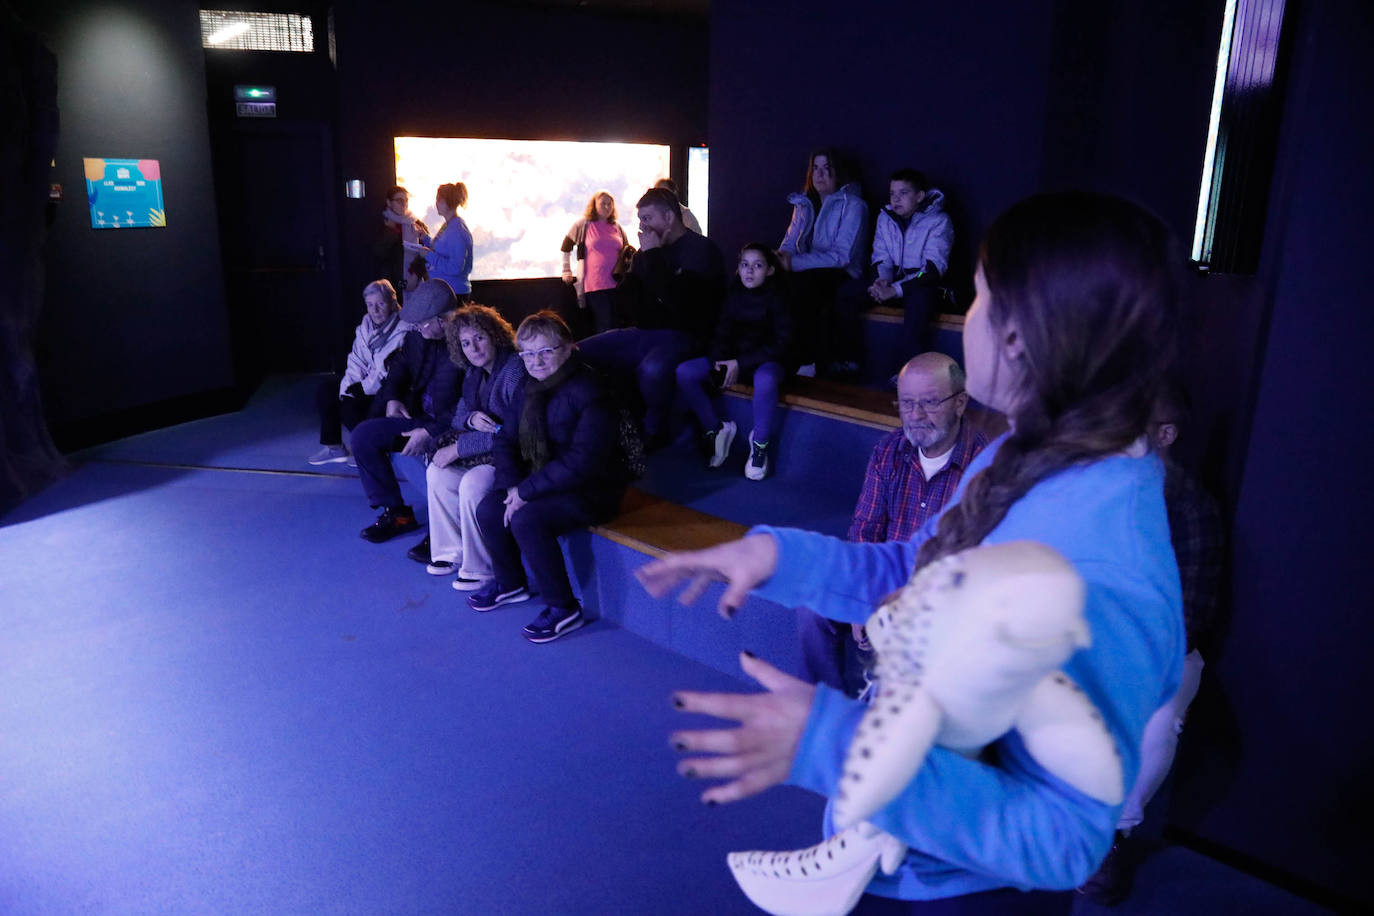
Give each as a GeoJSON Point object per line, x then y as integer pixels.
{"type": "Point", "coordinates": [474, 486]}
{"type": "Point", "coordinates": [692, 372]}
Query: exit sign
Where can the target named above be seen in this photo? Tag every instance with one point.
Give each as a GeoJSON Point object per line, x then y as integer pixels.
{"type": "Point", "coordinates": [256, 109]}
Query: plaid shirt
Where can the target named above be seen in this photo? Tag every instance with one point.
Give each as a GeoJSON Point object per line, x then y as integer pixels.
{"type": "Point", "coordinates": [896, 498]}
{"type": "Point", "coordinates": [1199, 545]}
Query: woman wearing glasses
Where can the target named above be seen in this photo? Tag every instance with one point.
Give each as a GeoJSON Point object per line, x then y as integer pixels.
{"type": "Point", "coordinates": [558, 468]}
{"type": "Point", "coordinates": [1076, 473]}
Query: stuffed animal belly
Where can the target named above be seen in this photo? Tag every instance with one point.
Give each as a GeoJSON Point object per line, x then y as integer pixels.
{"type": "Point", "coordinates": [967, 650]}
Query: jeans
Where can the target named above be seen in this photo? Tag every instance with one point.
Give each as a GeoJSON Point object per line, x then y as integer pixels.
{"type": "Point", "coordinates": [651, 355]}
{"type": "Point", "coordinates": [533, 534]}
{"type": "Point", "coordinates": [372, 448]}
{"type": "Point", "coordinates": [691, 381]}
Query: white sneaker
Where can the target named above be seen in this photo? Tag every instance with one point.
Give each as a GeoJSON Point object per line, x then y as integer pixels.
{"type": "Point", "coordinates": [809, 370]}
{"type": "Point", "coordinates": [757, 466]}
{"type": "Point", "coordinates": [721, 441]}
{"type": "Point", "coordinates": [464, 584]}
{"type": "Point", "coordinates": [329, 454]}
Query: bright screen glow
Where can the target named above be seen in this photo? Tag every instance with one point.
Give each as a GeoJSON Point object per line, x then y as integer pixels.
{"type": "Point", "coordinates": [699, 183]}
{"type": "Point", "coordinates": [524, 195]}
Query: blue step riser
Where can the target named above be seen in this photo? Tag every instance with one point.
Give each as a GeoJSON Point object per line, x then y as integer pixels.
{"type": "Point", "coordinates": [603, 575]}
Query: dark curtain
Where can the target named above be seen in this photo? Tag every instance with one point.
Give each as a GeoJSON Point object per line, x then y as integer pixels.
{"type": "Point", "coordinates": [28, 142]}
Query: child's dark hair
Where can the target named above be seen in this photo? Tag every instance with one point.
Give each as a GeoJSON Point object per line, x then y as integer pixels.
{"type": "Point", "coordinates": [769, 255]}
{"type": "Point", "coordinates": [1090, 283]}
{"type": "Point", "coordinates": [912, 177]}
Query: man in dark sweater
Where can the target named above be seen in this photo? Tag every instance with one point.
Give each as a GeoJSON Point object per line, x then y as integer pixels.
{"type": "Point", "coordinates": [420, 392]}
{"type": "Point", "coordinates": [672, 296]}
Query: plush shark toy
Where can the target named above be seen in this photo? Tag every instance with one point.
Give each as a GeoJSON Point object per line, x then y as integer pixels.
{"type": "Point", "coordinates": [967, 650]}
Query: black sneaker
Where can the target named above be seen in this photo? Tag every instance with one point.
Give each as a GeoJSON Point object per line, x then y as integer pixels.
{"type": "Point", "coordinates": [390, 523]}
{"type": "Point", "coordinates": [492, 597]}
{"type": "Point", "coordinates": [554, 622]}
{"type": "Point", "coordinates": [420, 552]}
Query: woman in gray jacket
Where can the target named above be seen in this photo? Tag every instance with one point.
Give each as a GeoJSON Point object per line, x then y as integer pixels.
{"type": "Point", "coordinates": [823, 250]}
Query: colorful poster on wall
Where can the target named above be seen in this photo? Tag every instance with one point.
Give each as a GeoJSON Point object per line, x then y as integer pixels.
{"type": "Point", "coordinates": [125, 193]}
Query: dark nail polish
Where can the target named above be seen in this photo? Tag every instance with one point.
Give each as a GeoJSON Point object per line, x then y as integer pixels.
{"type": "Point", "coordinates": [679, 746]}
{"type": "Point", "coordinates": [729, 612]}
{"type": "Point", "coordinates": [711, 802]}
{"type": "Point", "coordinates": [690, 773]}
{"type": "Point", "coordinates": [749, 654]}
{"type": "Point", "coordinates": [677, 701]}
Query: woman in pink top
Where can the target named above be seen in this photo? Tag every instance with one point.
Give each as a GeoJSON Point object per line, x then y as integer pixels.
{"type": "Point", "coordinates": [600, 244]}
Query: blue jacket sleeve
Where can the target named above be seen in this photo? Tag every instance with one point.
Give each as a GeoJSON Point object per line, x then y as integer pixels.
{"type": "Point", "coordinates": [820, 572]}
{"type": "Point", "coordinates": [452, 250]}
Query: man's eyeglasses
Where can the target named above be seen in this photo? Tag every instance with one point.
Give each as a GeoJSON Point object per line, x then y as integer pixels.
{"type": "Point", "coordinates": [927, 405]}
{"type": "Point", "coordinates": [530, 356]}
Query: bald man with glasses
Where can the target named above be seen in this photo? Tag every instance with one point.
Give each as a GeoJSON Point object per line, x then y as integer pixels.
{"type": "Point", "coordinates": [911, 474]}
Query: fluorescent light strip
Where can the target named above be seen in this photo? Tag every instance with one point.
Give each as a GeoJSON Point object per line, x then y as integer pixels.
{"type": "Point", "coordinates": [1213, 127]}
{"type": "Point", "coordinates": [233, 30]}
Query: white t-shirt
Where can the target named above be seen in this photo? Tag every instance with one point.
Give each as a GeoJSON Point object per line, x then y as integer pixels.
{"type": "Point", "coordinates": [933, 466]}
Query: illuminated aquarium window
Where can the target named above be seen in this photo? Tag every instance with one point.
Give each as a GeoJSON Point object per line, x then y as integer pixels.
{"type": "Point", "coordinates": [699, 183]}
{"type": "Point", "coordinates": [524, 195]}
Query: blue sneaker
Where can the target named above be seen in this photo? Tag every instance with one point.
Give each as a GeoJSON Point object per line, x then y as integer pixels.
{"type": "Point", "coordinates": [491, 597]}
{"type": "Point", "coordinates": [554, 622]}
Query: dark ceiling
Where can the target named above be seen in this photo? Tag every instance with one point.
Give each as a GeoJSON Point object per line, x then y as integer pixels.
{"type": "Point", "coordinates": [694, 8]}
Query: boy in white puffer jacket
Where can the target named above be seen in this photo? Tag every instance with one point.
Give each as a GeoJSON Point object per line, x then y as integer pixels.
{"type": "Point", "coordinates": [911, 244]}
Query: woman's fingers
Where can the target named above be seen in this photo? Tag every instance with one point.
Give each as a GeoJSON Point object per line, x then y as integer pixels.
{"type": "Point", "coordinates": [695, 587]}
{"type": "Point", "coordinates": [716, 767]}
{"type": "Point", "coordinates": [660, 576]}
{"type": "Point", "coordinates": [734, 706]}
{"type": "Point", "coordinates": [750, 783]}
{"type": "Point", "coordinates": [770, 677]}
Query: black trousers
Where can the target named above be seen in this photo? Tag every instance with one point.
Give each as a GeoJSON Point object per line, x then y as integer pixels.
{"type": "Point", "coordinates": [336, 412]}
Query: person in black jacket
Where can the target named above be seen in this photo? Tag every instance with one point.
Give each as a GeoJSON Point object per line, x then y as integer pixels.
{"type": "Point", "coordinates": [753, 333]}
{"type": "Point", "coordinates": [671, 297]}
{"type": "Point", "coordinates": [558, 468]}
{"type": "Point", "coordinates": [420, 392]}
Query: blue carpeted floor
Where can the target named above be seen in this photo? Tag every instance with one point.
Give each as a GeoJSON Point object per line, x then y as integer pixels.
{"type": "Point", "coordinates": [216, 698]}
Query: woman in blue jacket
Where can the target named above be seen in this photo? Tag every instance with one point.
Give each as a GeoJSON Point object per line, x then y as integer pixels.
{"type": "Point", "coordinates": [449, 254]}
{"type": "Point", "coordinates": [1070, 334]}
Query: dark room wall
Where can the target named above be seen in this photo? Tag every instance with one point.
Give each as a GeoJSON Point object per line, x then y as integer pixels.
{"type": "Point", "coordinates": [499, 70]}
{"type": "Point", "coordinates": [1284, 773]}
{"type": "Point", "coordinates": [134, 316]}
{"type": "Point", "coordinates": [893, 83]}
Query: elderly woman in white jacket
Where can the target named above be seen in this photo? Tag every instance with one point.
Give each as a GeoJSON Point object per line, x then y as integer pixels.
{"type": "Point", "coordinates": [348, 401]}
{"type": "Point", "coordinates": [823, 250]}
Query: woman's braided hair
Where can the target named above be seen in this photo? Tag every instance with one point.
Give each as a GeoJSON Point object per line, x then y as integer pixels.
{"type": "Point", "coordinates": [1090, 283]}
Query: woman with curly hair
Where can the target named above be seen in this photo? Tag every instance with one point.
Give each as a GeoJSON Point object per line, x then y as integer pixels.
{"type": "Point", "coordinates": [482, 344]}
{"type": "Point", "coordinates": [1071, 335]}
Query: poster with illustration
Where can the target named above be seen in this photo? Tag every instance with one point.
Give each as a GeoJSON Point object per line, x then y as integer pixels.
{"type": "Point", "coordinates": [125, 193]}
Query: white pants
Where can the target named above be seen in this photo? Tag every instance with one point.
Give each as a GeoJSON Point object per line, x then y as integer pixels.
{"type": "Point", "coordinates": [1159, 743]}
{"type": "Point", "coordinates": [454, 493]}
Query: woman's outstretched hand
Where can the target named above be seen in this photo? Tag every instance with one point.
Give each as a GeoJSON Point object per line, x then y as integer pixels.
{"type": "Point", "coordinates": [757, 754]}
{"type": "Point", "coordinates": [741, 565]}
